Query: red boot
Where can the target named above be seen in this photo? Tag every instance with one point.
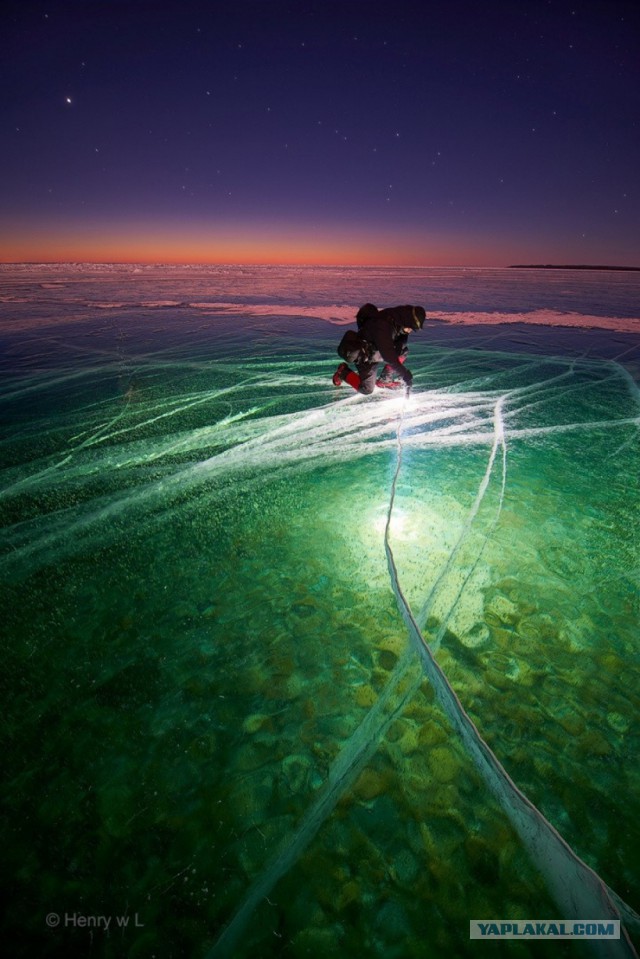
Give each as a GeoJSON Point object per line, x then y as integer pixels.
{"type": "Point", "coordinates": [340, 374]}
{"type": "Point", "coordinates": [344, 374]}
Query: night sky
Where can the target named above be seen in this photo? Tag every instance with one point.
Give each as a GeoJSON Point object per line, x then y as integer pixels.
{"type": "Point", "coordinates": [395, 132]}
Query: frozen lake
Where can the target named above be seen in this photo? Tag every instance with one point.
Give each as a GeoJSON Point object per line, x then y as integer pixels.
{"type": "Point", "coordinates": [219, 715]}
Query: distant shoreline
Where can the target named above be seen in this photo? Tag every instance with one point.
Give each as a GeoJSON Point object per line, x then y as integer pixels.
{"type": "Point", "coordinates": [553, 266]}
{"type": "Point", "coordinates": [147, 264]}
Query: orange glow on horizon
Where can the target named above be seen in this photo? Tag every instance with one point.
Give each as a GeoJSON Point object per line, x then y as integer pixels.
{"type": "Point", "coordinates": [262, 244]}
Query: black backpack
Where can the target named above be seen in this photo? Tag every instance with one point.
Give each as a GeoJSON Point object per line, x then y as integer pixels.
{"type": "Point", "coordinates": [353, 348]}
{"type": "Point", "coordinates": [366, 312]}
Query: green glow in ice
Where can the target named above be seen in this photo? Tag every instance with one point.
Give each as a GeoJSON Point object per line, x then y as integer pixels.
{"type": "Point", "coordinates": [200, 620]}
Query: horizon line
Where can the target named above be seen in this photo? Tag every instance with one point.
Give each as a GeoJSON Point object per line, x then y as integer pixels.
{"type": "Point", "coordinates": [395, 266]}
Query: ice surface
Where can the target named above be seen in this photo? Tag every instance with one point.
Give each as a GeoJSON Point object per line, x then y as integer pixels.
{"type": "Point", "coordinates": [215, 705]}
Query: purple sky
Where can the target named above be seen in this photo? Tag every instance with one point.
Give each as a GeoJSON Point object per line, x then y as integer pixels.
{"type": "Point", "coordinates": [320, 131]}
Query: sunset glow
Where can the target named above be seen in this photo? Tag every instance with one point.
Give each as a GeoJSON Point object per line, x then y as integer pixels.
{"type": "Point", "coordinates": [461, 136]}
{"type": "Point", "coordinates": [234, 243]}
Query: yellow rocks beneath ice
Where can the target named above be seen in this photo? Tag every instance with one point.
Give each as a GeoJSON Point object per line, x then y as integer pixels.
{"type": "Point", "coordinates": [478, 635]}
{"type": "Point", "coordinates": [393, 644]}
{"type": "Point", "coordinates": [409, 741]}
{"type": "Point", "coordinates": [365, 696]}
{"type": "Point", "coordinates": [572, 723]}
{"type": "Point", "coordinates": [255, 723]}
{"type": "Point", "coordinates": [296, 770]}
{"type": "Point", "coordinates": [618, 722]}
{"type": "Point", "coordinates": [370, 784]}
{"type": "Point", "coordinates": [349, 892]}
{"type": "Point", "coordinates": [501, 611]}
{"type": "Point", "coordinates": [443, 764]}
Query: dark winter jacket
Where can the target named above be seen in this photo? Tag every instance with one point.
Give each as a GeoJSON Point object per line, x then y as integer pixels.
{"type": "Point", "coordinates": [384, 329]}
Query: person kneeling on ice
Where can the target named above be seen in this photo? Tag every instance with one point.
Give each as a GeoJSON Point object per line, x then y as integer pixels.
{"type": "Point", "coordinates": [381, 337]}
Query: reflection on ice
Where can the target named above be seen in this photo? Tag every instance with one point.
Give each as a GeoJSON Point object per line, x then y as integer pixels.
{"type": "Point", "coordinates": [253, 443]}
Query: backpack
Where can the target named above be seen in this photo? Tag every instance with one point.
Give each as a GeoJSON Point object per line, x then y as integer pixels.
{"type": "Point", "coordinates": [353, 348]}
{"type": "Point", "coordinates": [366, 312]}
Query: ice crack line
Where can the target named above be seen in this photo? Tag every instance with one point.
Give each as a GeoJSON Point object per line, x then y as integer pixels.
{"type": "Point", "coordinates": [576, 888]}
{"type": "Point", "coordinates": [402, 686]}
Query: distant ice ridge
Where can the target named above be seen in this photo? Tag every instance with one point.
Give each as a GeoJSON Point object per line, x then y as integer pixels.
{"type": "Point", "coordinates": [345, 315]}
{"type": "Point", "coordinates": [617, 324]}
{"type": "Point", "coordinates": [479, 297]}
{"type": "Point", "coordinates": [340, 315]}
